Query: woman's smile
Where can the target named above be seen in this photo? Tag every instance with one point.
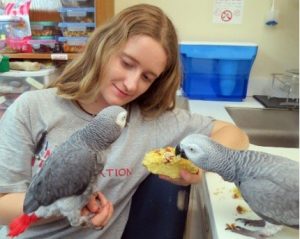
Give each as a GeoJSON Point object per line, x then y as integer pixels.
{"type": "Point", "coordinates": [119, 92]}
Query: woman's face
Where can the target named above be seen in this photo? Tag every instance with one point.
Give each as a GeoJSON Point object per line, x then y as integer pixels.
{"type": "Point", "coordinates": [132, 70]}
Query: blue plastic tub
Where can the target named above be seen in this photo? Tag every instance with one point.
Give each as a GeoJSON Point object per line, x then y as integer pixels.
{"type": "Point", "coordinates": [216, 71]}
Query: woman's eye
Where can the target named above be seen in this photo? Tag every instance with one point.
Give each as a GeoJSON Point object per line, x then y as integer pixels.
{"type": "Point", "coordinates": [127, 64]}
{"type": "Point", "coordinates": [147, 78]}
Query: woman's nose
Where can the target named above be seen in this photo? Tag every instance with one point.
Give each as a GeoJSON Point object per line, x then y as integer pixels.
{"type": "Point", "coordinates": [131, 81]}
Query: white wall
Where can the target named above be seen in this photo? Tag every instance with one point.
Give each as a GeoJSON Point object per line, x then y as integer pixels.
{"type": "Point", "coordinates": [278, 46]}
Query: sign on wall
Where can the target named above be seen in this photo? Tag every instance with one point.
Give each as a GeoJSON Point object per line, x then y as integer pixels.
{"type": "Point", "coordinates": [228, 11]}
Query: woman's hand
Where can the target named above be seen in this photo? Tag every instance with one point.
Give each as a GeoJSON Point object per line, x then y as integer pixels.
{"type": "Point", "coordinates": [186, 178]}
{"type": "Point", "coordinates": [101, 208]}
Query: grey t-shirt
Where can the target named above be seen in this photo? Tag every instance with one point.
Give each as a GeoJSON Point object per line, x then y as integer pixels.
{"type": "Point", "coordinates": [35, 112]}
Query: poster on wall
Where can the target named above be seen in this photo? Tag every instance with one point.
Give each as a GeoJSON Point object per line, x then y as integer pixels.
{"type": "Point", "coordinates": [228, 11]}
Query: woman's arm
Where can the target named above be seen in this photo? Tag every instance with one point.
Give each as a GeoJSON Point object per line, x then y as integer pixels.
{"type": "Point", "coordinates": [229, 135]}
{"type": "Point", "coordinates": [11, 206]}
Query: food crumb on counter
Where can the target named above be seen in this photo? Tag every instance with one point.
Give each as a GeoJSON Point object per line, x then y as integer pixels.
{"type": "Point", "coordinates": [219, 191]}
{"type": "Point", "coordinates": [230, 226]}
{"type": "Point", "coordinates": [241, 210]}
{"type": "Point", "coordinates": [236, 193]}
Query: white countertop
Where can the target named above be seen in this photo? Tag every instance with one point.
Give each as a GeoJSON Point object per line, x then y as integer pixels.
{"type": "Point", "coordinates": [217, 109]}
{"type": "Point", "coordinates": [220, 204]}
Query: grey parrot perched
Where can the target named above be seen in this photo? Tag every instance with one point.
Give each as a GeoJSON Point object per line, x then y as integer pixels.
{"type": "Point", "coordinates": [268, 183]}
{"type": "Point", "coordinates": [66, 182]}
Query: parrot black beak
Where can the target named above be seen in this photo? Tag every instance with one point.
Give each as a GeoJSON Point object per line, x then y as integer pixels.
{"type": "Point", "coordinates": [180, 152]}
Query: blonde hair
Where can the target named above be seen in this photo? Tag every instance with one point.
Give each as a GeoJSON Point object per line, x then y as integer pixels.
{"type": "Point", "coordinates": [80, 78]}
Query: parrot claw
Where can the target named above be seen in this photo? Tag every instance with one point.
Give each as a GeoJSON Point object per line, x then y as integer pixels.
{"type": "Point", "coordinates": [82, 221]}
{"type": "Point", "coordinates": [253, 223]}
{"type": "Point", "coordinates": [246, 232]}
{"type": "Point", "coordinates": [85, 221]}
{"type": "Point", "coordinates": [99, 228]}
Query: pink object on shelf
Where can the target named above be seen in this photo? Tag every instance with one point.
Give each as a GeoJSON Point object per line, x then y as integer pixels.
{"type": "Point", "coordinates": [19, 32]}
{"type": "Point", "coordinates": [19, 45]}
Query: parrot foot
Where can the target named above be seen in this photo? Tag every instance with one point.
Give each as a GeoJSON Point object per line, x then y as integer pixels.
{"type": "Point", "coordinates": [264, 232]}
{"type": "Point", "coordinates": [245, 232]}
{"type": "Point", "coordinates": [253, 223]}
{"type": "Point", "coordinates": [85, 221]}
{"type": "Point", "coordinates": [82, 221]}
{"type": "Point", "coordinates": [99, 228]}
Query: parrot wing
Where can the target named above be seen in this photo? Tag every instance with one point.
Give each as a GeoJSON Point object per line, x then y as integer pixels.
{"type": "Point", "coordinates": [67, 172]}
{"type": "Point", "coordinates": [270, 201]}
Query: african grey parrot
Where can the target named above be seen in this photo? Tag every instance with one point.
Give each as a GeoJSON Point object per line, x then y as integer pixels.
{"type": "Point", "coordinates": [66, 182]}
{"type": "Point", "coordinates": [268, 183]}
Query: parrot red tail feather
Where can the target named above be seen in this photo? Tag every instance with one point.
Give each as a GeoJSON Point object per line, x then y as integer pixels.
{"type": "Point", "coordinates": [20, 224]}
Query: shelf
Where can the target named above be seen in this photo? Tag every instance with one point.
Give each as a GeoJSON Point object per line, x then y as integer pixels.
{"type": "Point", "coordinates": [54, 56]}
{"type": "Point", "coordinates": [104, 10]}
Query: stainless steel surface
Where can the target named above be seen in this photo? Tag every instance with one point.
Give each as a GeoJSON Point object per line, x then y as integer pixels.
{"type": "Point", "coordinates": [268, 127]}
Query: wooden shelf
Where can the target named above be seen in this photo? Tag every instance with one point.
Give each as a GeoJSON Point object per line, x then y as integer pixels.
{"type": "Point", "coordinates": [53, 56]}
{"type": "Point", "coordinates": [104, 10]}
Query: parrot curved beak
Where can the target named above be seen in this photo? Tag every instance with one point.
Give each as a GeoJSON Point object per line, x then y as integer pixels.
{"type": "Point", "coordinates": [179, 151]}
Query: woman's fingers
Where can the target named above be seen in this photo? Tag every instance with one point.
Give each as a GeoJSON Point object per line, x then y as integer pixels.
{"type": "Point", "coordinates": [102, 217]}
{"type": "Point", "coordinates": [174, 181]}
{"type": "Point", "coordinates": [96, 201]}
{"type": "Point", "coordinates": [85, 211]}
{"type": "Point", "coordinates": [92, 205]}
{"type": "Point", "coordinates": [191, 178]}
{"type": "Point", "coordinates": [186, 178]}
{"type": "Point", "coordinates": [100, 207]}
{"type": "Point", "coordinates": [110, 213]}
{"type": "Point", "coordinates": [101, 199]}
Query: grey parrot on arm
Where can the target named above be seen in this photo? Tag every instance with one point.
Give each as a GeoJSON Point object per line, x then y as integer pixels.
{"type": "Point", "coordinates": [268, 183]}
{"type": "Point", "coordinates": [67, 180]}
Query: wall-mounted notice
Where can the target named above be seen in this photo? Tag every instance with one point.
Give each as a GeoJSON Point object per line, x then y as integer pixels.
{"type": "Point", "coordinates": [228, 11]}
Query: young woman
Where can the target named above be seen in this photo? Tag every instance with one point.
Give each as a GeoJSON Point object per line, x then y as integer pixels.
{"type": "Point", "coordinates": [132, 61]}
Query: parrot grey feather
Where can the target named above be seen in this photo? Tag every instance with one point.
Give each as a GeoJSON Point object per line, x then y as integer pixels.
{"type": "Point", "coordinates": [272, 211]}
{"type": "Point", "coordinates": [268, 183]}
{"type": "Point", "coordinates": [65, 183]}
{"type": "Point", "coordinates": [77, 166]}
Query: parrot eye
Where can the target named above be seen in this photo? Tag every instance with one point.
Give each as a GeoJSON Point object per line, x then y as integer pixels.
{"type": "Point", "coordinates": [124, 117]}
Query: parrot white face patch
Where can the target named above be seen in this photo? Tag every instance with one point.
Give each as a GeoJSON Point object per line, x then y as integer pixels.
{"type": "Point", "coordinates": [121, 119]}
{"type": "Point", "coordinates": [193, 151]}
